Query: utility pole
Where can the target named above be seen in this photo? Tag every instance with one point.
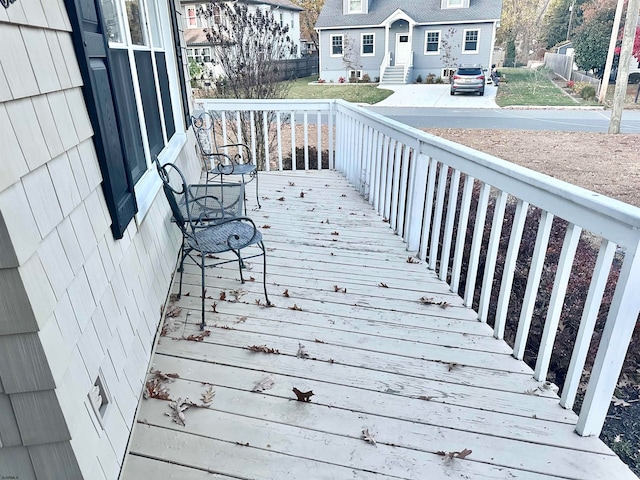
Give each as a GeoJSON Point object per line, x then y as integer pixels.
{"type": "Point", "coordinates": [623, 66]}
{"type": "Point", "coordinates": [571, 8]}
{"type": "Point", "coordinates": [604, 84]}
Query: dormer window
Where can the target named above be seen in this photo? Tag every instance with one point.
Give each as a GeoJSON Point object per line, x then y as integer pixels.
{"type": "Point", "coordinates": [354, 6]}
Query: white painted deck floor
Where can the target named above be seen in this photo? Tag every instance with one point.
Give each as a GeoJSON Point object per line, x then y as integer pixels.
{"type": "Point", "coordinates": [419, 379]}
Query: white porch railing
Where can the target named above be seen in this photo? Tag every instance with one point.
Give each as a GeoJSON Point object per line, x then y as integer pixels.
{"type": "Point", "coordinates": [386, 61]}
{"type": "Point", "coordinates": [408, 67]}
{"type": "Point", "coordinates": [424, 186]}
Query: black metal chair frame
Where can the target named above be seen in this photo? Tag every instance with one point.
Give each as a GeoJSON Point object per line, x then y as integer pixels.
{"type": "Point", "coordinates": [219, 164]}
{"type": "Point", "coordinates": [208, 229]}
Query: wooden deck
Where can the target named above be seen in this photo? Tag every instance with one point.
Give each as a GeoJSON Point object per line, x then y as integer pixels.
{"type": "Point", "coordinates": [421, 379]}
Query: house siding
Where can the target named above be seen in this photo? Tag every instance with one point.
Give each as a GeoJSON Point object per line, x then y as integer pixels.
{"type": "Point", "coordinates": [332, 68]}
{"type": "Point", "coordinates": [74, 302]}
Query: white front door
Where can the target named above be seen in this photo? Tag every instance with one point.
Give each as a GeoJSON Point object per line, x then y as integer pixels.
{"type": "Point", "coordinates": [403, 48]}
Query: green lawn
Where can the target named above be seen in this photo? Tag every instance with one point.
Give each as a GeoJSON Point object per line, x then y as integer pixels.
{"type": "Point", "coordinates": [359, 93]}
{"type": "Point", "coordinates": [528, 87]}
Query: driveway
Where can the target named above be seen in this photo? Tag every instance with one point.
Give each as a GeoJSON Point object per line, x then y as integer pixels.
{"type": "Point", "coordinates": [422, 95]}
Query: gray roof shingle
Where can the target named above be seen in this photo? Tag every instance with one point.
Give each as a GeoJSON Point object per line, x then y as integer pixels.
{"type": "Point", "coordinates": [422, 11]}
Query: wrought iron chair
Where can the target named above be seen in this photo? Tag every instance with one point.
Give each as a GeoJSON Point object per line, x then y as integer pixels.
{"type": "Point", "coordinates": [219, 164]}
{"type": "Point", "coordinates": [210, 224]}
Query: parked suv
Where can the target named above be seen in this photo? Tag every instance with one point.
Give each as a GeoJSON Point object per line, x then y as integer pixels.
{"type": "Point", "coordinates": [468, 78]}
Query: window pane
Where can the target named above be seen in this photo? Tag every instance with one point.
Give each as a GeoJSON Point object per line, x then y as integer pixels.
{"type": "Point", "coordinates": [149, 97]}
{"type": "Point", "coordinates": [367, 44]}
{"type": "Point", "coordinates": [433, 41]}
{"type": "Point", "coordinates": [154, 24]}
{"type": "Point", "coordinates": [113, 21]}
{"type": "Point", "coordinates": [336, 45]}
{"type": "Point", "coordinates": [137, 26]}
{"type": "Point", "coordinates": [355, 5]}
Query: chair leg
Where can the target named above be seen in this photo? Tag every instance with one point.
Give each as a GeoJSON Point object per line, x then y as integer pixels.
{"type": "Point", "coordinates": [240, 264]}
{"type": "Point", "coordinates": [202, 267]}
{"type": "Point", "coordinates": [181, 255]}
{"type": "Point", "coordinates": [264, 272]}
{"type": "Point", "coordinates": [244, 195]}
{"type": "Point", "coordinates": [257, 195]}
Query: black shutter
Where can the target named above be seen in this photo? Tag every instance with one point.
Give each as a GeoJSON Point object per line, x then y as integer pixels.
{"type": "Point", "coordinates": [91, 45]}
{"type": "Point", "coordinates": [180, 62]}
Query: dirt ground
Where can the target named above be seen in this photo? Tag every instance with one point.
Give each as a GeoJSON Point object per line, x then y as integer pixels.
{"type": "Point", "coordinates": [605, 163]}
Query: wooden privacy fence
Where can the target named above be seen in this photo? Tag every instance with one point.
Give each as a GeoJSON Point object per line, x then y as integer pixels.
{"type": "Point", "coordinates": [429, 188]}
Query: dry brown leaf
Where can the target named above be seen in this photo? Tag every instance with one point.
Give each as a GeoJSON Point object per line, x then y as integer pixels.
{"type": "Point", "coordinates": [301, 194]}
{"type": "Point", "coordinates": [292, 184]}
{"type": "Point", "coordinates": [368, 437]}
{"type": "Point", "coordinates": [452, 366]}
{"type": "Point", "coordinates": [335, 233]}
{"type": "Point", "coordinates": [296, 308]}
{"type": "Point", "coordinates": [303, 396]}
{"type": "Point", "coordinates": [262, 349]}
{"type": "Point", "coordinates": [285, 293]}
{"type": "Point", "coordinates": [317, 340]}
{"type": "Point", "coordinates": [241, 320]}
{"type": "Point", "coordinates": [207, 396]}
{"type": "Point", "coordinates": [281, 199]}
{"type": "Point", "coordinates": [336, 288]}
{"type": "Point", "coordinates": [302, 353]}
{"type": "Point", "coordinates": [223, 296]}
{"type": "Point", "coordinates": [266, 226]}
{"type": "Point", "coordinates": [214, 306]}
{"type": "Point", "coordinates": [383, 285]}
{"type": "Point", "coordinates": [173, 311]}
{"type": "Point", "coordinates": [412, 260]}
{"type": "Point", "coordinates": [451, 455]}
{"type": "Point", "coordinates": [198, 338]}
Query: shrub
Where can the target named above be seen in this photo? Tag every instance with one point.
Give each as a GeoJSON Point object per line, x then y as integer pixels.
{"type": "Point", "coordinates": [431, 78]}
{"type": "Point", "coordinates": [365, 78]}
{"type": "Point", "coordinates": [634, 78]}
{"type": "Point", "coordinates": [376, 79]}
{"type": "Point", "coordinates": [588, 92]}
{"type": "Point", "coordinates": [440, 80]}
{"type": "Point", "coordinates": [353, 80]}
{"type": "Point", "coordinates": [320, 80]}
{"type": "Point", "coordinates": [342, 80]}
{"type": "Point", "coordinates": [578, 86]}
{"type": "Point", "coordinates": [419, 79]}
{"type": "Point", "coordinates": [570, 84]}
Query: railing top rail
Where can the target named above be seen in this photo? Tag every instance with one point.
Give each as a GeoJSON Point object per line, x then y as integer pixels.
{"type": "Point", "coordinates": [604, 216]}
{"type": "Point", "coordinates": [271, 104]}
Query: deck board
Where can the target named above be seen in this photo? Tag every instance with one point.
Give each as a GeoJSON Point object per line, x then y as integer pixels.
{"type": "Point", "coordinates": [421, 378]}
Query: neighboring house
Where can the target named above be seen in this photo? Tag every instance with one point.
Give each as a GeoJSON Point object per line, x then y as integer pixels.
{"type": "Point", "coordinates": [90, 93]}
{"type": "Point", "coordinates": [399, 40]}
{"type": "Point", "coordinates": [199, 48]}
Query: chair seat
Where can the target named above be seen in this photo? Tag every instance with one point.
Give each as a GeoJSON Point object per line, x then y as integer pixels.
{"type": "Point", "coordinates": [239, 169]}
{"type": "Point", "coordinates": [229, 204]}
{"type": "Point", "coordinates": [224, 237]}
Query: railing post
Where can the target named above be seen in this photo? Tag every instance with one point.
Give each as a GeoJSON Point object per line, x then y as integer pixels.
{"type": "Point", "coordinates": [332, 112]}
{"type": "Point", "coordinates": [621, 321]}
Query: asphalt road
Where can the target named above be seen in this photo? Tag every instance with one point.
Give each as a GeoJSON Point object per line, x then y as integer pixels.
{"type": "Point", "coordinates": [566, 120]}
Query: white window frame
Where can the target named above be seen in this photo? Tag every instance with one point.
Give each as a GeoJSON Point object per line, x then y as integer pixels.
{"type": "Point", "coordinates": [331, 37]}
{"type": "Point", "coordinates": [190, 13]}
{"type": "Point", "coordinates": [426, 43]}
{"type": "Point", "coordinates": [373, 44]}
{"type": "Point", "coordinates": [455, 3]}
{"type": "Point", "coordinates": [450, 71]}
{"type": "Point", "coordinates": [464, 41]}
{"type": "Point", "coordinates": [350, 11]}
{"type": "Point", "coordinates": [358, 74]}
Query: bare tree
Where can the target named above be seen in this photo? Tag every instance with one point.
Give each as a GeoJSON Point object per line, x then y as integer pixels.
{"type": "Point", "coordinates": [447, 48]}
{"type": "Point", "coordinates": [250, 48]}
{"type": "Point", "coordinates": [350, 55]}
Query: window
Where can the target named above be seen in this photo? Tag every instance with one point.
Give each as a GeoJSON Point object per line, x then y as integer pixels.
{"type": "Point", "coordinates": [454, 3]}
{"type": "Point", "coordinates": [448, 72]}
{"type": "Point", "coordinates": [191, 17]}
{"type": "Point", "coordinates": [199, 55]}
{"type": "Point", "coordinates": [367, 44]}
{"type": "Point", "coordinates": [432, 43]}
{"type": "Point", "coordinates": [355, 75]}
{"type": "Point", "coordinates": [336, 45]}
{"type": "Point", "coordinates": [354, 6]}
{"type": "Point", "coordinates": [471, 38]}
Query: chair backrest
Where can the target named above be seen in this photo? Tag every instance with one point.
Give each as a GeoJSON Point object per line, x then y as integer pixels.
{"type": "Point", "coordinates": [175, 197]}
{"type": "Point", "coordinates": [203, 125]}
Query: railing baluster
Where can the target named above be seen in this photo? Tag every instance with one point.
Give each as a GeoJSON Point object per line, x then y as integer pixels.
{"type": "Point", "coordinates": [294, 163]}
{"type": "Point", "coordinates": [407, 153]}
{"type": "Point", "coordinates": [491, 256]}
{"type": "Point", "coordinates": [387, 189]}
{"type": "Point", "coordinates": [265, 128]}
{"type": "Point", "coordinates": [461, 235]}
{"type": "Point", "coordinates": [519, 218]}
{"type": "Point", "coordinates": [223, 122]}
{"type": "Point", "coordinates": [563, 272]}
{"type": "Point", "coordinates": [417, 192]}
{"type": "Point", "coordinates": [319, 139]}
{"type": "Point", "coordinates": [432, 166]}
{"type": "Point", "coordinates": [331, 144]}
{"type": "Point", "coordinates": [437, 217]}
{"type": "Point", "coordinates": [356, 175]}
{"type": "Point", "coordinates": [384, 166]}
{"type": "Point", "coordinates": [375, 165]}
{"type": "Point", "coordinates": [397, 163]}
{"type": "Point", "coordinates": [306, 140]}
{"type": "Point", "coordinates": [588, 322]}
{"type": "Point", "coordinates": [621, 321]}
{"type": "Point", "coordinates": [448, 225]}
{"type": "Point", "coordinates": [239, 135]}
{"type": "Point", "coordinates": [279, 140]}
{"type": "Point", "coordinates": [476, 244]}
{"type": "Point", "coordinates": [252, 123]}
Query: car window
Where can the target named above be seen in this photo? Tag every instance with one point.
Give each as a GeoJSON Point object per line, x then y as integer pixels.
{"type": "Point", "coordinates": [469, 71]}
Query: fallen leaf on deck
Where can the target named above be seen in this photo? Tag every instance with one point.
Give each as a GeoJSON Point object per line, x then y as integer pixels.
{"type": "Point", "coordinates": [285, 293]}
{"type": "Point", "coordinates": [317, 340]}
{"type": "Point", "coordinates": [301, 194]}
{"type": "Point", "coordinates": [207, 396]}
{"type": "Point", "coordinates": [303, 396]}
{"type": "Point", "coordinates": [198, 338]}
{"type": "Point", "coordinates": [237, 293]}
{"type": "Point", "coordinates": [385, 220]}
{"type": "Point", "coordinates": [242, 444]}
{"type": "Point", "coordinates": [302, 353]}
{"type": "Point", "coordinates": [343, 195]}
{"type": "Point", "coordinates": [451, 366]}
{"type": "Point", "coordinates": [214, 305]}
{"type": "Point", "coordinates": [241, 320]}
{"type": "Point", "coordinates": [173, 311]}
{"type": "Point", "coordinates": [292, 184]}
{"type": "Point", "coordinates": [265, 384]}
{"type": "Point", "coordinates": [451, 455]}
{"type": "Point", "coordinates": [412, 260]}
{"type": "Point", "coordinates": [266, 226]}
{"type": "Point", "coordinates": [335, 233]}
{"type": "Point", "coordinates": [177, 411]}
{"type": "Point", "coordinates": [368, 437]}
{"type": "Point", "coordinates": [295, 307]}
{"type": "Point", "coordinates": [336, 288]}
{"type": "Point", "coordinates": [281, 199]}
{"type": "Point", "coordinates": [431, 301]}
{"type": "Point", "coordinates": [618, 402]}
{"type": "Point", "coordinates": [263, 349]}
{"type": "Point", "coordinates": [383, 285]}
{"type": "Point", "coordinates": [223, 296]}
